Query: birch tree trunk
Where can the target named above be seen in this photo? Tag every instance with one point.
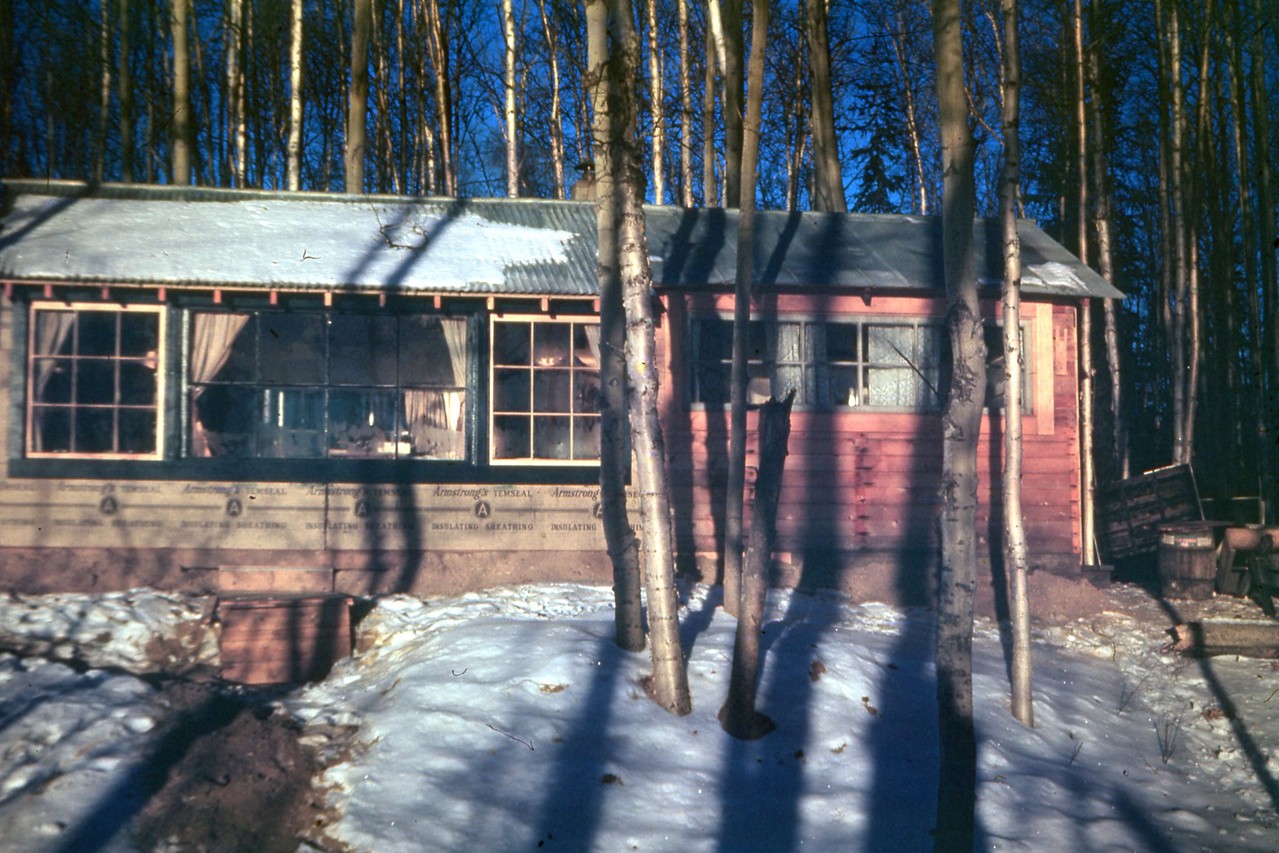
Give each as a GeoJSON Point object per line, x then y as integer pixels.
{"type": "Point", "coordinates": [1193, 201]}
{"type": "Point", "coordinates": [961, 422]}
{"type": "Point", "coordinates": [1267, 241]}
{"type": "Point", "coordinates": [623, 547]}
{"type": "Point", "coordinates": [656, 96]}
{"type": "Point", "coordinates": [181, 115]}
{"type": "Point", "coordinates": [1016, 551]}
{"type": "Point", "coordinates": [1166, 292]}
{"type": "Point", "coordinates": [409, 103]}
{"type": "Point", "coordinates": [731, 22]}
{"type": "Point", "coordinates": [686, 109]}
{"type": "Point", "coordinates": [295, 97]}
{"type": "Point", "coordinates": [237, 124]}
{"type": "Point", "coordinates": [796, 133]}
{"type": "Point", "coordinates": [1180, 366]}
{"type": "Point", "coordinates": [738, 715]}
{"type": "Point", "coordinates": [124, 93]}
{"type": "Point", "coordinates": [549, 29]}
{"type": "Point", "coordinates": [912, 122]}
{"type": "Point", "coordinates": [386, 172]}
{"type": "Point", "coordinates": [437, 45]}
{"type": "Point", "coordinates": [669, 683]}
{"type": "Point", "coordinates": [1248, 229]}
{"type": "Point", "coordinates": [1087, 468]}
{"type": "Point", "coordinates": [204, 116]}
{"type": "Point", "coordinates": [508, 111]}
{"type": "Point", "coordinates": [747, 164]}
{"type": "Point", "coordinates": [104, 90]}
{"type": "Point", "coordinates": [358, 96]}
{"type": "Point", "coordinates": [828, 181]}
{"type": "Point", "coordinates": [1106, 264]}
{"type": "Point", "coordinates": [734, 113]}
{"type": "Point", "coordinates": [710, 193]}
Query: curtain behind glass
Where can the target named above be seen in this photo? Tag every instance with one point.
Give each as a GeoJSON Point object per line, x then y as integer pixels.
{"type": "Point", "coordinates": [212, 337]}
{"type": "Point", "coordinates": [52, 330]}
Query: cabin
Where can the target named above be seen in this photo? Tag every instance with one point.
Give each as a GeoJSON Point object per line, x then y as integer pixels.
{"type": "Point", "coordinates": [209, 389]}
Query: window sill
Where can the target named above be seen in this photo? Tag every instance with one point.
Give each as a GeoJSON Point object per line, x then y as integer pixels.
{"type": "Point", "coordinates": [304, 471]}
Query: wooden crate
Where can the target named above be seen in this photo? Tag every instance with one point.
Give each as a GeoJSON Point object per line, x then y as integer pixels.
{"type": "Point", "coordinates": [1131, 511]}
{"type": "Point", "coordinates": [282, 639]}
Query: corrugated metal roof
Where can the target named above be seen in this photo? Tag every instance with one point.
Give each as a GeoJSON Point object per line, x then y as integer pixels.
{"type": "Point", "coordinates": [854, 251]}
{"type": "Point", "coordinates": [173, 236]}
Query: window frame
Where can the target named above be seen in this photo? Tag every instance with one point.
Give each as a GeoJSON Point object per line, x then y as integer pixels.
{"type": "Point", "coordinates": [157, 360]}
{"type": "Point", "coordinates": [324, 391]}
{"type": "Point", "coordinates": [173, 462]}
{"type": "Point", "coordinates": [994, 329]}
{"type": "Point", "coordinates": [573, 321]}
{"type": "Point", "coordinates": [813, 370]}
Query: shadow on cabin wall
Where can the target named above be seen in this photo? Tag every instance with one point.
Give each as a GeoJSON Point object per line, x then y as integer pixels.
{"type": "Point", "coordinates": [37, 571]}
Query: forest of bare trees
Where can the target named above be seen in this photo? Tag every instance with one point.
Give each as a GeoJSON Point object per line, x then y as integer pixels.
{"type": "Point", "coordinates": [1145, 125]}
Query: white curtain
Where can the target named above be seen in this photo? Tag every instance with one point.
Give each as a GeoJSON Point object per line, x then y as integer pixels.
{"type": "Point", "coordinates": [51, 331]}
{"type": "Point", "coordinates": [593, 341]}
{"type": "Point", "coordinates": [455, 339]}
{"type": "Point", "coordinates": [212, 337]}
{"type": "Point", "coordinates": [421, 407]}
{"type": "Point", "coordinates": [787, 358]}
{"type": "Point", "coordinates": [434, 417]}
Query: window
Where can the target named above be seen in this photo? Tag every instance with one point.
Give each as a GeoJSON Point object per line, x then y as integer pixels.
{"type": "Point", "coordinates": [545, 385]}
{"type": "Point", "coordinates": [844, 363]}
{"type": "Point", "coordinates": [327, 385]}
{"type": "Point", "coordinates": [94, 381]}
{"type": "Point", "coordinates": [994, 336]}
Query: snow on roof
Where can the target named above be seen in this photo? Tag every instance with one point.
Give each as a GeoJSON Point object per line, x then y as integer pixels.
{"type": "Point", "coordinates": [276, 241]}
{"type": "Point", "coordinates": [131, 234]}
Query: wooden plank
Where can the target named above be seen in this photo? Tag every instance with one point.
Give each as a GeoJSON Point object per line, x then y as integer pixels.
{"type": "Point", "coordinates": [1226, 637]}
{"type": "Point", "coordinates": [1132, 511]}
{"type": "Point", "coordinates": [281, 579]}
{"type": "Point", "coordinates": [804, 492]}
{"type": "Point", "coordinates": [847, 464]}
{"type": "Point", "coordinates": [286, 642]}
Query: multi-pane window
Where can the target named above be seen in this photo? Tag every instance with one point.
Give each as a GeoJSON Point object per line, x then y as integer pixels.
{"type": "Point", "coordinates": [324, 384]}
{"type": "Point", "coordinates": [829, 363]}
{"type": "Point", "coordinates": [545, 385]}
{"type": "Point", "coordinates": [95, 381]}
{"type": "Point", "coordinates": [994, 336]}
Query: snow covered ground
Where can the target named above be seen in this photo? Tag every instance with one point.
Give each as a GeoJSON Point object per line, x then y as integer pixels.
{"type": "Point", "coordinates": [508, 720]}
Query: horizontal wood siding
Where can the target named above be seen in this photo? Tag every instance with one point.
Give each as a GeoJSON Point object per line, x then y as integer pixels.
{"type": "Point", "coordinates": [868, 480]}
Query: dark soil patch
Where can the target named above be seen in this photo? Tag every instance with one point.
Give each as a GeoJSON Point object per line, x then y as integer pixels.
{"type": "Point", "coordinates": [227, 775]}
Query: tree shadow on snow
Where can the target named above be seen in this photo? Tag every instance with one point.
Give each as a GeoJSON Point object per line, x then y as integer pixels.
{"type": "Point", "coordinates": [571, 809]}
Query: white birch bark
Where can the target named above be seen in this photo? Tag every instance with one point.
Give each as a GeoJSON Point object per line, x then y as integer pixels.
{"type": "Point", "coordinates": [669, 683]}
{"type": "Point", "coordinates": [181, 111]}
{"type": "Point", "coordinates": [1016, 550]}
{"type": "Point", "coordinates": [1087, 471]}
{"type": "Point", "coordinates": [656, 96]}
{"type": "Point", "coordinates": [508, 110]}
{"type": "Point", "coordinates": [623, 547]}
{"type": "Point", "coordinates": [828, 181]}
{"type": "Point", "coordinates": [124, 92]}
{"type": "Point", "coordinates": [686, 109]}
{"type": "Point", "coordinates": [961, 423]}
{"type": "Point", "coordinates": [358, 97]}
{"type": "Point", "coordinates": [556, 128]}
{"type": "Point", "coordinates": [104, 91]}
{"type": "Point", "coordinates": [294, 177]}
